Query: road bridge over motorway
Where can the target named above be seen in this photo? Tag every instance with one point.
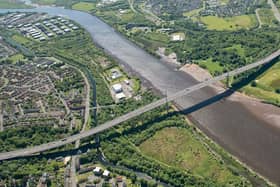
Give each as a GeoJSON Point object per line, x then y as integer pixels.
{"type": "Point", "coordinates": [137, 112]}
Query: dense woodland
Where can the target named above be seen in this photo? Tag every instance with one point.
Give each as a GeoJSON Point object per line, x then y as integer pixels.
{"type": "Point", "coordinates": [16, 138]}
{"type": "Point", "coordinates": [203, 45]}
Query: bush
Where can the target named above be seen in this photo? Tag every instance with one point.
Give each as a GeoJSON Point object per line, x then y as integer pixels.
{"type": "Point", "coordinates": [254, 84]}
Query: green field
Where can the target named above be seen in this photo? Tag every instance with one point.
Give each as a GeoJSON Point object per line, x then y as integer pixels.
{"type": "Point", "coordinates": [160, 37]}
{"type": "Point", "coordinates": [44, 2]}
{"type": "Point", "coordinates": [212, 67]}
{"type": "Point", "coordinates": [83, 6]}
{"type": "Point", "coordinates": [268, 96]}
{"type": "Point", "coordinates": [267, 17]}
{"type": "Point", "coordinates": [239, 49]}
{"type": "Point", "coordinates": [127, 16]}
{"type": "Point", "coordinates": [151, 41]}
{"type": "Point", "coordinates": [266, 85]}
{"type": "Point", "coordinates": [16, 58]}
{"type": "Point", "coordinates": [224, 2]}
{"type": "Point", "coordinates": [20, 39]}
{"type": "Point", "coordinates": [180, 148]}
{"type": "Point", "coordinates": [229, 23]}
{"type": "Point", "coordinates": [12, 4]}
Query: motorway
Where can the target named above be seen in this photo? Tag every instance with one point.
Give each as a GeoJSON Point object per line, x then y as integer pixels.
{"type": "Point", "coordinates": [137, 112]}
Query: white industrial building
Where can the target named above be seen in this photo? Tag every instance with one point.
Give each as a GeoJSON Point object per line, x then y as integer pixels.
{"type": "Point", "coordinates": [106, 173]}
{"type": "Point", "coordinates": [117, 88]}
{"type": "Point", "coordinates": [97, 170]}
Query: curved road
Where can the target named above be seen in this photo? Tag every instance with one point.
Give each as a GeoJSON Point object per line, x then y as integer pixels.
{"type": "Point", "coordinates": [258, 17]}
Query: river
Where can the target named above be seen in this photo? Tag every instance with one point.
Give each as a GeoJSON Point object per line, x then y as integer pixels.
{"type": "Point", "coordinates": [233, 125]}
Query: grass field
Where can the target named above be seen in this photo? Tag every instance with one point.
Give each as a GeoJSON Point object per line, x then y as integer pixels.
{"type": "Point", "coordinates": [44, 2]}
{"type": "Point", "coordinates": [267, 17]}
{"type": "Point", "coordinates": [229, 23]}
{"type": "Point", "coordinates": [239, 49]}
{"type": "Point", "coordinates": [83, 6]}
{"type": "Point", "coordinates": [224, 2]}
{"type": "Point", "coordinates": [180, 148]}
{"type": "Point", "coordinates": [266, 86]}
{"type": "Point", "coordinates": [12, 4]}
{"type": "Point", "coordinates": [260, 93]}
{"type": "Point", "coordinates": [20, 39]}
{"type": "Point", "coordinates": [212, 67]}
{"type": "Point", "coordinates": [152, 40]}
{"type": "Point", "coordinates": [271, 78]}
{"type": "Point", "coordinates": [127, 16]}
{"type": "Point", "coordinates": [15, 58]}
{"type": "Point", "coordinates": [160, 37]}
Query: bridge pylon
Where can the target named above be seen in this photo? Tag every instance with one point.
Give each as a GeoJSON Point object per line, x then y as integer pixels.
{"type": "Point", "coordinates": [228, 80]}
{"type": "Point", "coordinates": [166, 102]}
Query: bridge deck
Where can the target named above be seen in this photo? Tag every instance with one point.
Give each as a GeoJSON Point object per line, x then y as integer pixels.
{"type": "Point", "coordinates": [137, 112]}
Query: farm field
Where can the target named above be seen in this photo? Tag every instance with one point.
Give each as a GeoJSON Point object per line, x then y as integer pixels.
{"type": "Point", "coordinates": [229, 23]}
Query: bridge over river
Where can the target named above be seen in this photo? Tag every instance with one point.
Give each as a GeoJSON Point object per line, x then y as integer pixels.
{"type": "Point", "coordinates": [137, 112]}
{"type": "Point", "coordinates": [253, 139]}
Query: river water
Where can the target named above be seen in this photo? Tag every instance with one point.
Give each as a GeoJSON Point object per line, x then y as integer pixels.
{"type": "Point", "coordinates": [253, 140]}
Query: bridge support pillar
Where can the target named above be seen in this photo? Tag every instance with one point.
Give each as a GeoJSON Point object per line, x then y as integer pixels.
{"type": "Point", "coordinates": [97, 140]}
{"type": "Point", "coordinates": [166, 103]}
{"type": "Point", "coordinates": [228, 81]}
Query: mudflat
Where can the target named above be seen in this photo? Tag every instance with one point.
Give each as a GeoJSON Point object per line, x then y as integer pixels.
{"type": "Point", "coordinates": [245, 126]}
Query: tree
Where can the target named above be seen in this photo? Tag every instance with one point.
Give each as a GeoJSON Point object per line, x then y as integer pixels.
{"type": "Point", "coordinates": [254, 83]}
